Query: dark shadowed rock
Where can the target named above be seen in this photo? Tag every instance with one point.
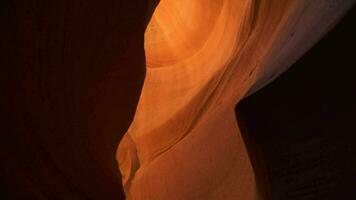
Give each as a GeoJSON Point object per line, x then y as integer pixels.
{"type": "Point", "coordinates": [71, 75]}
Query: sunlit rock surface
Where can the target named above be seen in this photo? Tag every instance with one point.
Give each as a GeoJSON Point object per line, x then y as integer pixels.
{"type": "Point", "coordinates": [202, 58]}
{"type": "Point", "coordinates": [71, 74]}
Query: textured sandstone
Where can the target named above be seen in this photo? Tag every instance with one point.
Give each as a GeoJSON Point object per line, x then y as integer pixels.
{"type": "Point", "coordinates": [203, 57]}
{"type": "Point", "coordinates": [71, 74]}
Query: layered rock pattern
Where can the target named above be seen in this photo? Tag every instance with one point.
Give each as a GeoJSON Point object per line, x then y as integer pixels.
{"type": "Point", "coordinates": [202, 59]}
{"type": "Point", "coordinates": [71, 74]}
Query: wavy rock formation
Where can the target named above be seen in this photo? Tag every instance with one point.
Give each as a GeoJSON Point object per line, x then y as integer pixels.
{"type": "Point", "coordinates": [71, 74]}
{"type": "Point", "coordinates": [202, 58]}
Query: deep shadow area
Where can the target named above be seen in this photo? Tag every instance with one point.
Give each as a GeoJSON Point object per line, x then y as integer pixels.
{"type": "Point", "coordinates": [71, 74]}
{"type": "Point", "coordinates": [303, 124]}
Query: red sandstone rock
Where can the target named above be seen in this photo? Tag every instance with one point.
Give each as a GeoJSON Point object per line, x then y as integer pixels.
{"type": "Point", "coordinates": [203, 58]}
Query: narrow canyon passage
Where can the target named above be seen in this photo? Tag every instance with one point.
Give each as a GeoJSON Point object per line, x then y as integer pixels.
{"type": "Point", "coordinates": [94, 89]}
{"type": "Point", "coordinates": [202, 59]}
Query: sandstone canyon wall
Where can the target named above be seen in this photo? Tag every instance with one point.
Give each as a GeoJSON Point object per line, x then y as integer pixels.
{"type": "Point", "coordinates": [202, 59]}
{"type": "Point", "coordinates": [71, 77]}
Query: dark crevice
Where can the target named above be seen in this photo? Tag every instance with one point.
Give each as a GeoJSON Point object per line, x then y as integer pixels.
{"type": "Point", "coordinates": [302, 125]}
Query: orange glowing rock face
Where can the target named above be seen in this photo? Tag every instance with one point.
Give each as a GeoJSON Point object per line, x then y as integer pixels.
{"type": "Point", "coordinates": [178, 30]}
{"type": "Point", "coordinates": [203, 56]}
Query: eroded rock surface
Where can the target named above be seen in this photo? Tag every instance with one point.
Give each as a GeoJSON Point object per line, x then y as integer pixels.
{"type": "Point", "coordinates": [203, 58]}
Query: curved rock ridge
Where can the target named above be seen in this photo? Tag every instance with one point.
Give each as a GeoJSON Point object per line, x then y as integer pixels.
{"type": "Point", "coordinates": [203, 57]}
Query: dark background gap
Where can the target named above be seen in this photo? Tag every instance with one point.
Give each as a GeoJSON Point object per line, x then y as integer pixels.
{"type": "Point", "coordinates": [300, 129]}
